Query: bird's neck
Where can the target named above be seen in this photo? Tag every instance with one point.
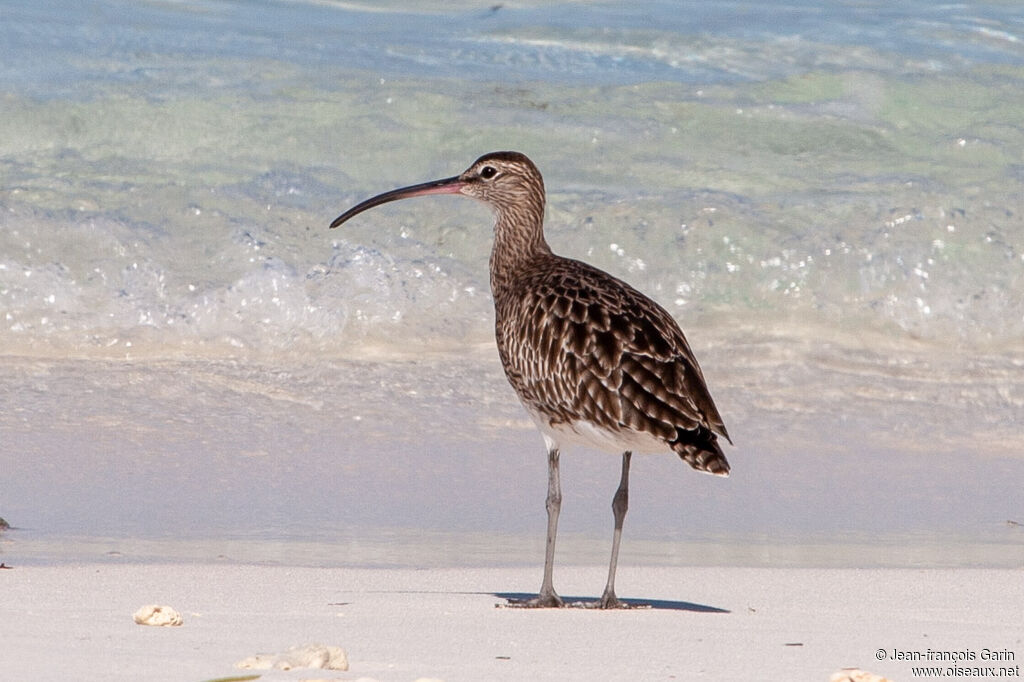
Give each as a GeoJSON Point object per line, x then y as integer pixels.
{"type": "Point", "coordinates": [518, 240]}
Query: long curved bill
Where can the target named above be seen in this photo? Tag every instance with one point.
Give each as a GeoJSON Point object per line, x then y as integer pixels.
{"type": "Point", "coordinates": [446, 186]}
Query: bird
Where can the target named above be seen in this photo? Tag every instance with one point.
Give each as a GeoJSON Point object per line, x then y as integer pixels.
{"type": "Point", "coordinates": [594, 361]}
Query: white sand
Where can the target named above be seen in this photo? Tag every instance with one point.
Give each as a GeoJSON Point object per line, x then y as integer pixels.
{"type": "Point", "coordinates": [75, 622]}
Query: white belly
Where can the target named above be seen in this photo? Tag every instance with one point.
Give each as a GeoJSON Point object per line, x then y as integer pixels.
{"type": "Point", "coordinates": [590, 435]}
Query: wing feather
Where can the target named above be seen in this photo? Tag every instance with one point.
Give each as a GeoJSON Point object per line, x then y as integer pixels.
{"type": "Point", "coordinates": [593, 347]}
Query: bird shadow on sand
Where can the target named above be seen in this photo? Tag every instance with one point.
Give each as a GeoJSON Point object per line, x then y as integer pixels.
{"type": "Point", "coordinates": [515, 599]}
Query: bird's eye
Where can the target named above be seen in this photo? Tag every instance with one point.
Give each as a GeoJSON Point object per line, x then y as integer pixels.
{"type": "Point", "coordinates": [488, 172]}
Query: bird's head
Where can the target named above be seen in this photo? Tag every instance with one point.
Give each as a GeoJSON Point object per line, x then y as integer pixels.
{"type": "Point", "coordinates": [508, 181]}
{"type": "Point", "coordinates": [503, 180]}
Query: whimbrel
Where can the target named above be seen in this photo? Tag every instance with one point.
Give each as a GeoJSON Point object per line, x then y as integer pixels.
{"type": "Point", "coordinates": [594, 361]}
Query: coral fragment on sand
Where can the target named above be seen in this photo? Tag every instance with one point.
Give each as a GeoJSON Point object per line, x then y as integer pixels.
{"type": "Point", "coordinates": [154, 614]}
{"type": "Point", "coordinates": [305, 656]}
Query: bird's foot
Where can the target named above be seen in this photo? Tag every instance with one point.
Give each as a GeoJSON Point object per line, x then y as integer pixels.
{"type": "Point", "coordinates": [609, 601]}
{"type": "Point", "coordinates": [548, 600]}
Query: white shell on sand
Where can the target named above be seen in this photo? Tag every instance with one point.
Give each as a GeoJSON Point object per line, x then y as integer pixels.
{"type": "Point", "coordinates": [856, 675]}
{"type": "Point", "coordinates": [154, 614]}
{"type": "Point", "coordinates": [305, 656]}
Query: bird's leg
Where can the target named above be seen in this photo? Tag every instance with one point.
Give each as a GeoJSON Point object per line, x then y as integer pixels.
{"type": "Point", "coordinates": [619, 505]}
{"type": "Point", "coordinates": [547, 597]}
{"type": "Point", "coordinates": [553, 504]}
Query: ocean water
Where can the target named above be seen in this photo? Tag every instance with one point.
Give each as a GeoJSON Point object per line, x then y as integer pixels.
{"type": "Point", "coordinates": [826, 195]}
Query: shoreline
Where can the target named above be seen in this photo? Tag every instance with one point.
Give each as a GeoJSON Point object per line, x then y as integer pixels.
{"type": "Point", "coordinates": [999, 547]}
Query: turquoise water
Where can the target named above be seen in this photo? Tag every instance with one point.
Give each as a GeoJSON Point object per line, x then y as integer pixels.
{"type": "Point", "coordinates": [826, 195]}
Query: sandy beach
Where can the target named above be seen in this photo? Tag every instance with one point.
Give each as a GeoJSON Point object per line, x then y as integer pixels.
{"type": "Point", "coordinates": [75, 622]}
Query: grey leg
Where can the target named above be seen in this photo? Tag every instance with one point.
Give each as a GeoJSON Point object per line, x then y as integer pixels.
{"type": "Point", "coordinates": [547, 597]}
{"type": "Point", "coordinates": [619, 505]}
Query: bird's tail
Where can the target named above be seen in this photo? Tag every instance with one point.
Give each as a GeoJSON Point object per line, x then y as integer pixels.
{"type": "Point", "coordinates": [706, 456]}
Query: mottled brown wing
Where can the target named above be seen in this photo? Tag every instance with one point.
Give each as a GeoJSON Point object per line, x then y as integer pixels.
{"type": "Point", "coordinates": [582, 344]}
